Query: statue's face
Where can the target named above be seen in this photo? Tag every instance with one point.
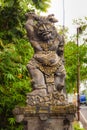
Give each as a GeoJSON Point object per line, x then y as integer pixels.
{"type": "Point", "coordinates": [46, 31]}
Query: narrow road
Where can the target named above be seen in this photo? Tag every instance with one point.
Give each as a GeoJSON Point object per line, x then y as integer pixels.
{"type": "Point", "coordinates": [83, 115]}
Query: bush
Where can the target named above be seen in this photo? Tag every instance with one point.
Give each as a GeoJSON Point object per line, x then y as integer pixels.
{"type": "Point", "coordinates": [76, 126]}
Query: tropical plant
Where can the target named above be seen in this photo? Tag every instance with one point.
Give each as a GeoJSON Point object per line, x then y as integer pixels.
{"type": "Point", "coordinates": [76, 126]}
{"type": "Point", "coordinates": [71, 54]}
{"type": "Point", "coordinates": [15, 52]}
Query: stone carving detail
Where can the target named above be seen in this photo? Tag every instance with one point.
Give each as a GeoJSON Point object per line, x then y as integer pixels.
{"type": "Point", "coordinates": [46, 68]}
{"type": "Point", "coordinates": [51, 99]}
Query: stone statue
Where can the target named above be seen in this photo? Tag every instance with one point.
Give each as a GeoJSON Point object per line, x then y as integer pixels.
{"type": "Point", "coordinates": [46, 68]}
{"type": "Point", "coordinates": [47, 107]}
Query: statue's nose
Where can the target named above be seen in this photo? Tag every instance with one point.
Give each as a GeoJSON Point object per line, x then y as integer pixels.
{"type": "Point", "coordinates": [45, 28]}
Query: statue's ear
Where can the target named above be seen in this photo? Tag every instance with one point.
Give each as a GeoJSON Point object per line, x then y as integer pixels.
{"type": "Point", "coordinates": [52, 19]}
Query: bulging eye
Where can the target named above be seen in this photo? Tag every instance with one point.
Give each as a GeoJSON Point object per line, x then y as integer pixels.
{"type": "Point", "coordinates": [48, 26]}
{"type": "Point", "coordinates": [40, 28]}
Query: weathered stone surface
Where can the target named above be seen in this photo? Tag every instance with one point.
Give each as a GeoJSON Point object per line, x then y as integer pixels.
{"type": "Point", "coordinates": [46, 117]}
{"type": "Point", "coordinates": [54, 123]}
{"type": "Point", "coordinates": [47, 107]}
{"type": "Point", "coordinates": [60, 110]}
{"type": "Point", "coordinates": [54, 98]}
{"type": "Point", "coordinates": [46, 67]}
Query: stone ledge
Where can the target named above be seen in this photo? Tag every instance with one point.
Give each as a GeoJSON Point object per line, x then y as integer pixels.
{"type": "Point", "coordinates": [60, 110]}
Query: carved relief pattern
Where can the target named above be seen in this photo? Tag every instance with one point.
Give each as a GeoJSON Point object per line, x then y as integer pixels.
{"type": "Point", "coordinates": [51, 99]}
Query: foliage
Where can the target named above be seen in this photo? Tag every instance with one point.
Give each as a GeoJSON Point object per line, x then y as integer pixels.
{"type": "Point", "coordinates": [76, 126]}
{"type": "Point", "coordinates": [15, 52]}
{"type": "Point", "coordinates": [71, 54]}
{"type": "Point", "coordinates": [70, 65]}
{"type": "Point", "coordinates": [41, 5]}
{"type": "Point", "coordinates": [14, 77]}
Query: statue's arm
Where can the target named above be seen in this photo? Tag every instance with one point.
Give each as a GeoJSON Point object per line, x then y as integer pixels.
{"type": "Point", "coordinates": [30, 28]}
{"type": "Point", "coordinates": [60, 50]}
{"type": "Point", "coordinates": [30, 25]}
{"type": "Point", "coordinates": [36, 45]}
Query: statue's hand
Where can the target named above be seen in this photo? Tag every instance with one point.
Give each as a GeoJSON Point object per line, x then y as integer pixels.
{"type": "Point", "coordinates": [52, 61]}
{"type": "Point", "coordinates": [30, 15]}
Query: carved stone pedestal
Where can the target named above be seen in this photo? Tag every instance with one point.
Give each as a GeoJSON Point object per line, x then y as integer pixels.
{"type": "Point", "coordinates": [46, 117]}
{"type": "Point", "coordinates": [50, 123]}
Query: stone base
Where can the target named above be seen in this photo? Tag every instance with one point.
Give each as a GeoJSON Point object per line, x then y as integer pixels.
{"type": "Point", "coordinates": [49, 123]}
{"type": "Point", "coordinates": [46, 117]}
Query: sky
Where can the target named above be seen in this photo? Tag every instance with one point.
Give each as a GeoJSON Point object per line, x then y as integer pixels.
{"type": "Point", "coordinates": [74, 9]}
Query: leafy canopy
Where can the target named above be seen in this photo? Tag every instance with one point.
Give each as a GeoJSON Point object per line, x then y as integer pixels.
{"type": "Point", "coordinates": [15, 52]}
{"type": "Point", "coordinates": [72, 52]}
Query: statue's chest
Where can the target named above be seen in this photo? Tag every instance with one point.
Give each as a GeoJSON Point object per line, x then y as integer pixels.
{"type": "Point", "coordinates": [49, 46]}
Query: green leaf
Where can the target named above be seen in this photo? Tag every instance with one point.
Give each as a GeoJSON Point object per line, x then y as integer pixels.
{"type": "Point", "coordinates": [11, 120]}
